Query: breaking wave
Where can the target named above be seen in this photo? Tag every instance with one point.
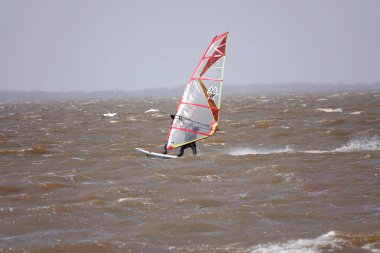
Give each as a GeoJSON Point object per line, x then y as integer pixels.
{"type": "Point", "coordinates": [358, 144]}
{"type": "Point", "coordinates": [328, 242]}
{"type": "Point", "coordinates": [361, 144]}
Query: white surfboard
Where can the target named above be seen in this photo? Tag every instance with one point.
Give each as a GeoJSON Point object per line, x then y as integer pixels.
{"type": "Point", "coordinates": [157, 155]}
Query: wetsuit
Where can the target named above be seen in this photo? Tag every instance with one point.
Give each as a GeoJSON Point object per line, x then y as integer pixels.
{"type": "Point", "coordinates": [191, 145]}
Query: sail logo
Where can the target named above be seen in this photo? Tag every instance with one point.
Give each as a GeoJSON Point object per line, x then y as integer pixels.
{"type": "Point", "coordinates": [212, 92]}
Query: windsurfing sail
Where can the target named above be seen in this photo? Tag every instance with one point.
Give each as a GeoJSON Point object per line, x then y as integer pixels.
{"type": "Point", "coordinates": [198, 111]}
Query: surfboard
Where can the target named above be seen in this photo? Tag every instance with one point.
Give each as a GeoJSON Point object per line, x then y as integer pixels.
{"type": "Point", "coordinates": [154, 154]}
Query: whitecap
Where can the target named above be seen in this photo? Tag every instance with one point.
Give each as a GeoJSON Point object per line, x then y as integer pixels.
{"type": "Point", "coordinates": [335, 95]}
{"type": "Point", "coordinates": [317, 151]}
{"type": "Point", "coordinates": [210, 178]}
{"type": "Point", "coordinates": [363, 143]}
{"type": "Point", "coordinates": [329, 110]}
{"type": "Point", "coordinates": [156, 115]}
{"type": "Point", "coordinates": [215, 144]}
{"type": "Point", "coordinates": [288, 176]}
{"type": "Point", "coordinates": [356, 113]}
{"type": "Point", "coordinates": [371, 247]}
{"type": "Point", "coordinates": [78, 158]}
{"type": "Point", "coordinates": [110, 114]}
{"type": "Point", "coordinates": [138, 199]}
{"type": "Point", "coordinates": [253, 151]}
{"type": "Point", "coordinates": [152, 110]}
{"type": "Point", "coordinates": [320, 244]}
{"type": "Point", "coordinates": [329, 242]}
{"type": "Point", "coordinates": [143, 202]}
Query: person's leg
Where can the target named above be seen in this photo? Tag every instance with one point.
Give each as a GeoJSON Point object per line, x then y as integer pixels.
{"type": "Point", "coordinates": [194, 148]}
{"type": "Point", "coordinates": [182, 150]}
{"type": "Point", "coordinates": [164, 150]}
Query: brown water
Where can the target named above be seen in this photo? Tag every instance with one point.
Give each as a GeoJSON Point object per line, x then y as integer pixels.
{"type": "Point", "coordinates": [290, 173]}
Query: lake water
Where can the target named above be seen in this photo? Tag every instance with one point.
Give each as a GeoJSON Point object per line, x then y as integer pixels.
{"type": "Point", "coordinates": [285, 173]}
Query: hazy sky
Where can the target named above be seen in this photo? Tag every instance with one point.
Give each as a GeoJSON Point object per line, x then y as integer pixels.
{"type": "Point", "coordinates": [64, 45]}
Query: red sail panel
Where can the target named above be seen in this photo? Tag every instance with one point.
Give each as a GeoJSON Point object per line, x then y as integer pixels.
{"type": "Point", "coordinates": [215, 56]}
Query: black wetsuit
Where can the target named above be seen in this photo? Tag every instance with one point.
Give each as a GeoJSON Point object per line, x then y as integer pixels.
{"type": "Point", "coordinates": [191, 145]}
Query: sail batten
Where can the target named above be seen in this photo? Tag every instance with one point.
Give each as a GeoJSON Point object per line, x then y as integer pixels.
{"type": "Point", "coordinates": [205, 106]}
{"type": "Point", "coordinates": [205, 78]}
{"type": "Point", "coordinates": [190, 131]}
{"type": "Point", "coordinates": [198, 111]}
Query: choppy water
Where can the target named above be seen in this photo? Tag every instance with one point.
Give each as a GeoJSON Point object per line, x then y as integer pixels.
{"type": "Point", "coordinates": [290, 173]}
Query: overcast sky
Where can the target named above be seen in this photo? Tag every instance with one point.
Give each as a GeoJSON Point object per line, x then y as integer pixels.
{"type": "Point", "coordinates": [88, 45]}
